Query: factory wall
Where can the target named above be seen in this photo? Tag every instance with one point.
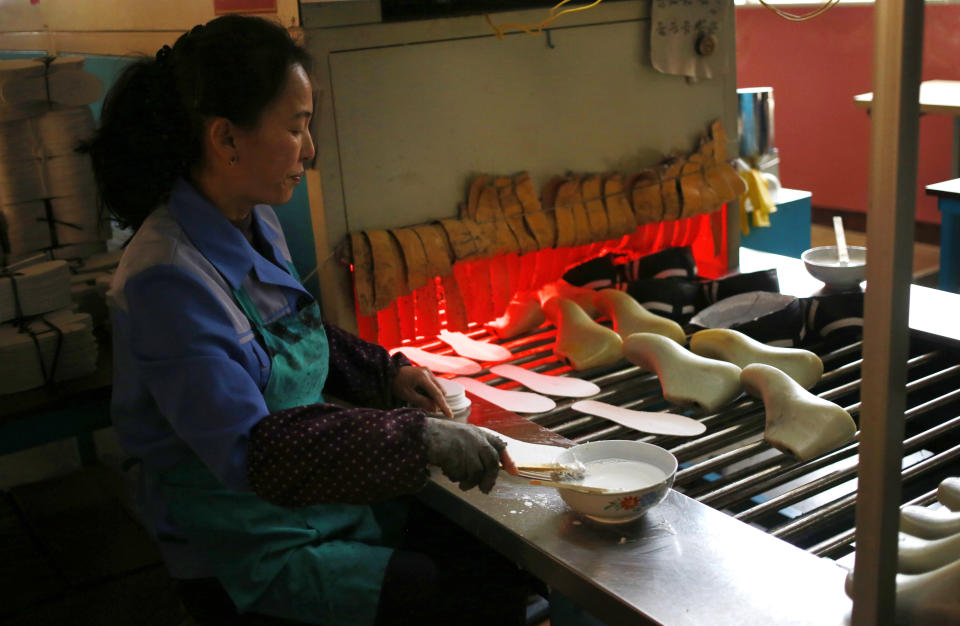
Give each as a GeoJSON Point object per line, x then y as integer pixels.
{"type": "Point", "coordinates": [816, 68]}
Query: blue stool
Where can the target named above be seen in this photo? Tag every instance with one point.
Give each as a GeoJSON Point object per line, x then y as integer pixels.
{"type": "Point", "coordinates": [948, 203]}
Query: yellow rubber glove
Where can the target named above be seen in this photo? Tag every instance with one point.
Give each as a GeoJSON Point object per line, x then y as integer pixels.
{"type": "Point", "coordinates": [760, 198]}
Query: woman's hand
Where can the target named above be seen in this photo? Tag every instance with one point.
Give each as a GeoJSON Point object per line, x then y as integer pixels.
{"type": "Point", "coordinates": [418, 386]}
{"type": "Point", "coordinates": [465, 454]}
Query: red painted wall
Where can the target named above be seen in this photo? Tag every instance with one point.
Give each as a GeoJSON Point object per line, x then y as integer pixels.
{"type": "Point", "coordinates": [815, 69]}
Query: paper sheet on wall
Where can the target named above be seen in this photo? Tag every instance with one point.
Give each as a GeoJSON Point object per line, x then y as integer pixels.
{"type": "Point", "coordinates": [679, 28]}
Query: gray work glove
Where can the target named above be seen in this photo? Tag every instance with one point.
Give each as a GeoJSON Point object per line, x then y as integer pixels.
{"type": "Point", "coordinates": [465, 454]}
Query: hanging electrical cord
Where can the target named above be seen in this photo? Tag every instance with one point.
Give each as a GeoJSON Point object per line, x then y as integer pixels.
{"type": "Point", "coordinates": [534, 29]}
{"type": "Point", "coordinates": [793, 17]}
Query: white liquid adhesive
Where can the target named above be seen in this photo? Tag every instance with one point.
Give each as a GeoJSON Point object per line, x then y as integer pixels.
{"type": "Point", "coordinates": [621, 474]}
{"type": "Point", "coordinates": [838, 263]}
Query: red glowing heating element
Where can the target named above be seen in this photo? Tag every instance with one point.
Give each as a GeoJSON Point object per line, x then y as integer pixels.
{"type": "Point", "coordinates": [486, 286]}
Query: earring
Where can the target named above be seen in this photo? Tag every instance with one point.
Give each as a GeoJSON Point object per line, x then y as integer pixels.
{"type": "Point", "coordinates": [233, 160]}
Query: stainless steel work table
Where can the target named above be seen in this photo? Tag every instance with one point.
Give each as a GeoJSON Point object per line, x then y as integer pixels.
{"type": "Point", "coordinates": [682, 563]}
{"type": "Point", "coordinates": [931, 310]}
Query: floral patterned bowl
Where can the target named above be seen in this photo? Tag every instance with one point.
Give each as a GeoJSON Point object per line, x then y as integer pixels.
{"type": "Point", "coordinates": [640, 491]}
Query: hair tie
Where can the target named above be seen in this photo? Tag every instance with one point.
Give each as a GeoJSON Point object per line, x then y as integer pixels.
{"type": "Point", "coordinates": [163, 54]}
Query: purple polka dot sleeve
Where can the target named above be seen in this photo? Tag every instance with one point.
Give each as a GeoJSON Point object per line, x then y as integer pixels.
{"type": "Point", "coordinates": [360, 372]}
{"type": "Point", "coordinates": [324, 453]}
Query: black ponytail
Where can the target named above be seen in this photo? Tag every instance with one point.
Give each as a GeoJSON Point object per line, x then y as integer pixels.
{"type": "Point", "coordinates": [152, 118]}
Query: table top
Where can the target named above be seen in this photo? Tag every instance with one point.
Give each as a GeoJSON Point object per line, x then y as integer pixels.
{"type": "Point", "coordinates": [936, 96]}
{"type": "Point", "coordinates": [785, 196]}
{"type": "Point", "coordinates": [945, 189]}
{"type": "Point", "coordinates": [681, 563]}
{"type": "Point", "coordinates": [929, 308]}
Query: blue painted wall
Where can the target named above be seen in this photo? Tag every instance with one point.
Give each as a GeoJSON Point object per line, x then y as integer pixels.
{"type": "Point", "coordinates": [294, 215]}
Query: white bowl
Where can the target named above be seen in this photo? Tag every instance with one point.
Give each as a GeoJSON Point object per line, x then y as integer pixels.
{"type": "Point", "coordinates": [620, 506]}
{"type": "Point", "coordinates": [822, 263]}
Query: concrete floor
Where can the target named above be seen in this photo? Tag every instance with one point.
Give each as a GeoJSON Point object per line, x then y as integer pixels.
{"type": "Point", "coordinates": [71, 552]}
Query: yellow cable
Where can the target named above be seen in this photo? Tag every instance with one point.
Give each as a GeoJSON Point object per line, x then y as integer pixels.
{"type": "Point", "coordinates": [534, 29]}
{"type": "Point", "coordinates": [802, 18]}
{"type": "Point", "coordinates": [573, 10]}
{"type": "Point", "coordinates": [554, 8]}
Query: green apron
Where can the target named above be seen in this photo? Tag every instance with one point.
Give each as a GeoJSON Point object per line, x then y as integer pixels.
{"type": "Point", "coordinates": [318, 564]}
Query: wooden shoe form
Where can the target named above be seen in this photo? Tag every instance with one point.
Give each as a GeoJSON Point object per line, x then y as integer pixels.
{"type": "Point", "coordinates": [797, 421]}
{"type": "Point", "coordinates": [926, 523]}
{"type": "Point", "coordinates": [581, 342]}
{"type": "Point", "coordinates": [929, 598]}
{"type": "Point", "coordinates": [916, 556]}
{"type": "Point", "coordinates": [685, 378]}
{"type": "Point", "coordinates": [948, 493]}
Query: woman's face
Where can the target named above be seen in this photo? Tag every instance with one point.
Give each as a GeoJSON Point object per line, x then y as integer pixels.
{"type": "Point", "coordinates": [271, 156]}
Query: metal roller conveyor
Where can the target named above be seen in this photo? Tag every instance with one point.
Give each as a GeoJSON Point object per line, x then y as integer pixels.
{"type": "Point", "coordinates": [781, 468]}
{"type": "Point", "coordinates": [829, 547]}
{"type": "Point", "coordinates": [763, 480]}
{"type": "Point", "coordinates": [835, 478]}
{"type": "Point", "coordinates": [846, 503]}
{"type": "Point", "coordinates": [736, 491]}
{"type": "Point", "coordinates": [732, 469]}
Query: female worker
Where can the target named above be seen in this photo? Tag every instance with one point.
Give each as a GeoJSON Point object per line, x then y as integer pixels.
{"type": "Point", "coordinates": [250, 483]}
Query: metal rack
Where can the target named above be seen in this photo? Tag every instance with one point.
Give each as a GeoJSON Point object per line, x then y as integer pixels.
{"type": "Point", "coordinates": [731, 468]}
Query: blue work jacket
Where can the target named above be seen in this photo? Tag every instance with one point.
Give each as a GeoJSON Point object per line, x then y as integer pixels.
{"type": "Point", "coordinates": [189, 373]}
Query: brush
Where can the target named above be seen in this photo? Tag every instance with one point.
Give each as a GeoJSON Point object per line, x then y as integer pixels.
{"type": "Point", "coordinates": [570, 486]}
{"type": "Point", "coordinates": [556, 472]}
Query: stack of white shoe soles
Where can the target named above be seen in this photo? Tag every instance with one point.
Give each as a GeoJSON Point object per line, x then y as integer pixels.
{"type": "Point", "coordinates": [89, 285]}
{"type": "Point", "coordinates": [456, 397]}
{"type": "Point", "coordinates": [76, 220]}
{"type": "Point", "coordinates": [78, 251]}
{"type": "Point", "coordinates": [55, 346]}
{"type": "Point", "coordinates": [82, 285]}
{"type": "Point", "coordinates": [47, 189]}
{"type": "Point", "coordinates": [32, 171]}
{"type": "Point", "coordinates": [104, 262]}
{"type": "Point", "coordinates": [36, 288]}
{"type": "Point", "coordinates": [29, 86]}
{"type": "Point", "coordinates": [26, 227]}
{"type": "Point", "coordinates": [60, 130]}
{"type": "Point", "coordinates": [19, 96]}
{"type": "Point", "coordinates": [47, 203]}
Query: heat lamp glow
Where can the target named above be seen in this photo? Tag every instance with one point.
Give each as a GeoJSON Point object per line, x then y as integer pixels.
{"type": "Point", "coordinates": [478, 291]}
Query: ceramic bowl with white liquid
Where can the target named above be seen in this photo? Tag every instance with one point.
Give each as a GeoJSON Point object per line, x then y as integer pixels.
{"type": "Point", "coordinates": [823, 263]}
{"type": "Point", "coordinates": [636, 474]}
